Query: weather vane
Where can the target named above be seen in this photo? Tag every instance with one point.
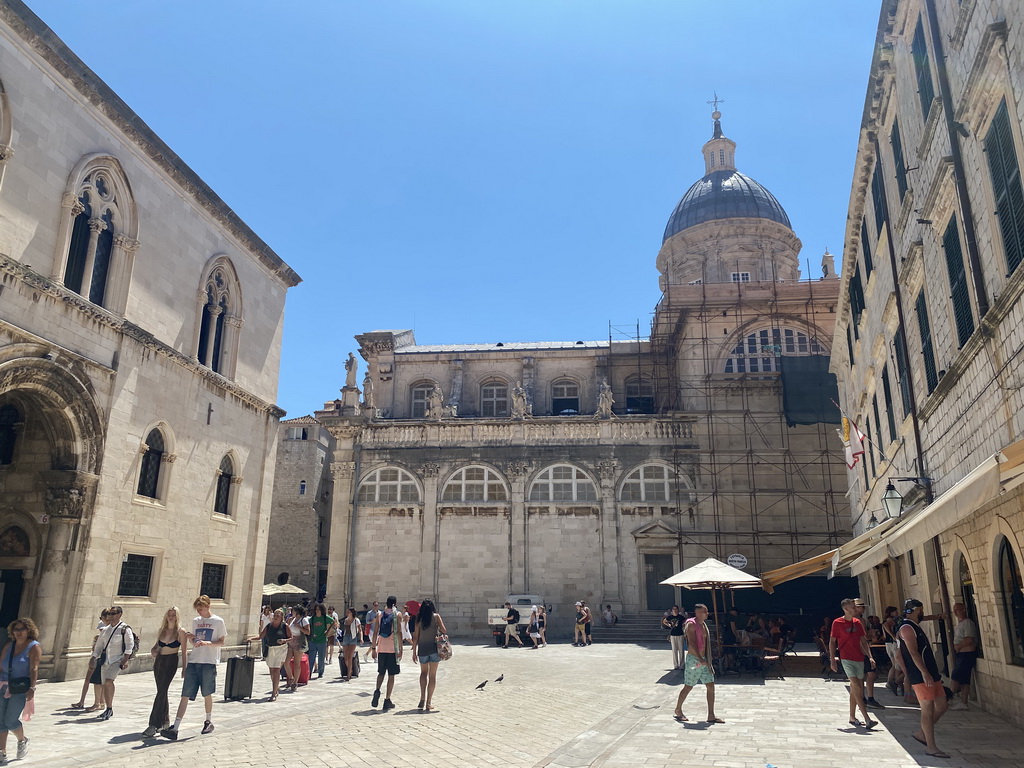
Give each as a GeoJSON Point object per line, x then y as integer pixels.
{"type": "Point", "coordinates": [716, 101]}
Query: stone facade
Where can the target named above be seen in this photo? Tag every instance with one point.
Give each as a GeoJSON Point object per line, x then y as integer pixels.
{"type": "Point", "coordinates": [140, 334]}
{"type": "Point", "coordinates": [931, 318]}
{"type": "Point", "coordinates": [594, 469]}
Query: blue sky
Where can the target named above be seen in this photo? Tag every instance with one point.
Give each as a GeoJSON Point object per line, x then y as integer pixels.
{"type": "Point", "coordinates": [481, 170]}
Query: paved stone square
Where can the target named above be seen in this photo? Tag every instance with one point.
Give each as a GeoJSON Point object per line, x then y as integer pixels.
{"type": "Point", "coordinates": [558, 707]}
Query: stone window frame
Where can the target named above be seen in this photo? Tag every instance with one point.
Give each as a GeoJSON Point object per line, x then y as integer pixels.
{"type": "Point", "coordinates": [676, 484]}
{"type": "Point", "coordinates": [580, 477]}
{"type": "Point", "coordinates": [563, 381]}
{"type": "Point", "coordinates": [124, 220]}
{"type": "Point", "coordinates": [637, 381]}
{"type": "Point", "coordinates": [991, 214]}
{"type": "Point", "coordinates": [741, 336]}
{"type": "Point", "coordinates": [491, 478]}
{"type": "Point", "coordinates": [228, 564]}
{"type": "Point", "coordinates": [164, 473]}
{"type": "Point", "coordinates": [425, 386]}
{"type": "Point", "coordinates": [958, 563]}
{"type": "Point", "coordinates": [373, 479]}
{"type": "Point", "coordinates": [131, 548]}
{"type": "Point", "coordinates": [226, 489]}
{"type": "Point", "coordinates": [495, 381]}
{"type": "Point", "coordinates": [1005, 534]}
{"type": "Point", "coordinates": [219, 316]}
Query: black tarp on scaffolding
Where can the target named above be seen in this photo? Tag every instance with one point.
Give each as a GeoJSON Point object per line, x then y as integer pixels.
{"type": "Point", "coordinates": [809, 391]}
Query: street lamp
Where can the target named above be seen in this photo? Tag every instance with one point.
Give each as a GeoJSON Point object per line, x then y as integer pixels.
{"type": "Point", "coordinates": [872, 523]}
{"type": "Point", "coordinates": [892, 501]}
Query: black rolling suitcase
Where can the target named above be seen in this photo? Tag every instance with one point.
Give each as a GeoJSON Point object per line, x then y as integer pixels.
{"type": "Point", "coordinates": [238, 679]}
{"type": "Point", "coordinates": [355, 664]}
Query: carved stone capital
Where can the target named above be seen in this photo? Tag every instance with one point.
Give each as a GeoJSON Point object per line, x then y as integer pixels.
{"type": "Point", "coordinates": [127, 244]}
{"type": "Point", "coordinates": [169, 458]}
{"type": "Point", "coordinates": [96, 224]}
{"type": "Point", "coordinates": [430, 469]}
{"type": "Point", "coordinates": [607, 468]}
{"type": "Point", "coordinates": [214, 309]}
{"type": "Point", "coordinates": [65, 503]}
{"type": "Point", "coordinates": [236, 479]}
{"type": "Point", "coordinates": [517, 468]}
{"type": "Point", "coordinates": [343, 469]}
{"type": "Point", "coordinates": [6, 153]}
{"type": "Point", "coordinates": [143, 449]}
{"type": "Point", "coordinates": [371, 348]}
{"type": "Point", "coordinates": [234, 321]}
{"type": "Point", "coordinates": [70, 200]}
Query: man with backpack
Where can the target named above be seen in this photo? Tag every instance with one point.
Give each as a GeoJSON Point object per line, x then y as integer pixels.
{"type": "Point", "coordinates": [512, 625]}
{"type": "Point", "coordinates": [114, 648]}
{"type": "Point", "coordinates": [387, 650]}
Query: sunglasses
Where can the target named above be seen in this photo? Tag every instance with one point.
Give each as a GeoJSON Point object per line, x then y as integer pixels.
{"type": "Point", "coordinates": [21, 629]}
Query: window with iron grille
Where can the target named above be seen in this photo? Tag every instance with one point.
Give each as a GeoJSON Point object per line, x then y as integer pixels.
{"type": "Point", "coordinates": [878, 198]}
{"type": "Point", "coordinates": [223, 494]}
{"type": "Point", "coordinates": [897, 158]}
{"type": "Point", "coordinates": [878, 423]}
{"type": "Point", "coordinates": [869, 263]}
{"type": "Point", "coordinates": [1006, 186]}
{"type": "Point", "coordinates": [925, 326]}
{"type": "Point", "coordinates": [136, 576]}
{"type": "Point", "coordinates": [215, 576]}
{"type": "Point", "coordinates": [923, 68]}
{"type": "Point", "coordinates": [149, 473]}
{"type": "Point", "coordinates": [887, 393]}
{"type": "Point", "coordinates": [959, 292]}
{"type": "Point", "coordinates": [871, 445]}
{"type": "Point", "coordinates": [903, 373]}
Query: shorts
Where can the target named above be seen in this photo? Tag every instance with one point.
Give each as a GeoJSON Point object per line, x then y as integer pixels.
{"type": "Point", "coordinates": [350, 641]}
{"type": "Point", "coordinates": [387, 663]}
{"type": "Point", "coordinates": [853, 668]}
{"type": "Point", "coordinates": [697, 675]}
{"type": "Point", "coordinates": [97, 671]}
{"type": "Point", "coordinates": [581, 628]}
{"type": "Point", "coordinates": [890, 648]}
{"type": "Point", "coordinates": [109, 672]}
{"type": "Point", "coordinates": [199, 677]}
{"type": "Point", "coordinates": [511, 629]}
{"type": "Point", "coordinates": [929, 693]}
{"type": "Point", "coordinates": [275, 656]}
{"type": "Point", "coordinates": [963, 667]}
{"type": "Point", "coordinates": [431, 658]}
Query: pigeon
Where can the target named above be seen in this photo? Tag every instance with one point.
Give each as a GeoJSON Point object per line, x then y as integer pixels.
{"type": "Point", "coordinates": [481, 686]}
{"type": "Point", "coordinates": [499, 678]}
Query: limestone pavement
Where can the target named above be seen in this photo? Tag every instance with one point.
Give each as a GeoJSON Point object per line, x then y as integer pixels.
{"type": "Point", "coordinates": [557, 707]}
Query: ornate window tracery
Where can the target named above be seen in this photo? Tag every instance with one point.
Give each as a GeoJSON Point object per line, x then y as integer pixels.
{"type": "Point", "coordinates": [219, 318]}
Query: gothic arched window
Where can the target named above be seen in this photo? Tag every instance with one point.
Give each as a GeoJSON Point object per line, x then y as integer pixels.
{"type": "Point", "coordinates": [97, 239]}
{"type": "Point", "coordinates": [563, 482]}
{"type": "Point", "coordinates": [388, 485]}
{"type": "Point", "coordinates": [10, 421]}
{"type": "Point", "coordinates": [222, 497]}
{"type": "Point", "coordinates": [475, 484]}
{"type": "Point", "coordinates": [152, 459]}
{"type": "Point", "coordinates": [759, 352]}
{"type": "Point", "coordinates": [219, 317]}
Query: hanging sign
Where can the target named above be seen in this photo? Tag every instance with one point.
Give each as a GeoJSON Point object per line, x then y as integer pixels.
{"type": "Point", "coordinates": [737, 560]}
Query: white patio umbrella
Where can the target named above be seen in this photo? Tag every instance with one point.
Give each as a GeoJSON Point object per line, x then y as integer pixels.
{"type": "Point", "coordinates": [269, 590]}
{"type": "Point", "coordinates": [713, 574]}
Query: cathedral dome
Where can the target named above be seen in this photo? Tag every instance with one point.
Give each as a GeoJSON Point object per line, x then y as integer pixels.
{"type": "Point", "coordinates": [725, 194]}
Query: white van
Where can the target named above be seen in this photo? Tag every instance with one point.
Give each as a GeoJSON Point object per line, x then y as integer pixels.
{"type": "Point", "coordinates": [522, 603]}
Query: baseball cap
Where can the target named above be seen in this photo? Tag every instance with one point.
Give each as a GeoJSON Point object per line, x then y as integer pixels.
{"type": "Point", "coordinates": [911, 604]}
{"type": "Point", "coordinates": [578, 603]}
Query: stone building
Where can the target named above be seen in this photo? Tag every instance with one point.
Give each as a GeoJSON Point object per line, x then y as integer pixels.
{"type": "Point", "coordinates": [140, 335]}
{"type": "Point", "coordinates": [595, 469]}
{"type": "Point", "coordinates": [931, 325]}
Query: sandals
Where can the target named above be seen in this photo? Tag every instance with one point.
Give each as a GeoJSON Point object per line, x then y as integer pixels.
{"type": "Point", "coordinates": [940, 753]}
{"type": "Point", "coordinates": [77, 705]}
{"type": "Point", "coordinates": [273, 697]}
{"type": "Point", "coordinates": [715, 720]}
{"type": "Point", "coordinates": [420, 705]}
{"type": "Point", "coordinates": [681, 718]}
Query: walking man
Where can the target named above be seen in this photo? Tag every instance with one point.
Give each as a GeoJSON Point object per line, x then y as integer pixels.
{"type": "Point", "coordinates": [114, 648]}
{"type": "Point", "coordinates": [965, 643]}
{"type": "Point", "coordinates": [512, 625]}
{"type": "Point", "coordinates": [200, 672]}
{"type": "Point", "coordinates": [675, 622]}
{"type": "Point", "coordinates": [699, 669]}
{"type": "Point", "coordinates": [923, 675]}
{"type": "Point", "coordinates": [871, 674]}
{"type": "Point", "coordinates": [387, 650]}
{"type": "Point", "coordinates": [588, 621]}
{"type": "Point", "coordinates": [849, 636]}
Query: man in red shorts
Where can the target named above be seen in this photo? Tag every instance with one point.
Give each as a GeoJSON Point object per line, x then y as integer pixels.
{"type": "Point", "coordinates": [923, 674]}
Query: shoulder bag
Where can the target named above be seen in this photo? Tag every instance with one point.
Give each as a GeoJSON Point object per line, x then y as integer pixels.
{"type": "Point", "coordinates": [16, 684]}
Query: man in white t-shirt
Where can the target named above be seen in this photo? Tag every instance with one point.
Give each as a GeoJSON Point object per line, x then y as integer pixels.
{"type": "Point", "coordinates": [207, 637]}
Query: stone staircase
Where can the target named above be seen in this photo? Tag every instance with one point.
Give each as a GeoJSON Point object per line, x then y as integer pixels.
{"type": "Point", "coordinates": [642, 627]}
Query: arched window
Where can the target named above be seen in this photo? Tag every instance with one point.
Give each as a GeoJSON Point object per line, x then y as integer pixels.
{"type": "Point", "coordinates": [282, 578]}
{"type": "Point", "coordinates": [220, 317]}
{"type": "Point", "coordinates": [967, 595]}
{"type": "Point", "coordinates": [494, 399]}
{"type": "Point", "coordinates": [565, 397]}
{"type": "Point", "coordinates": [302, 487]}
{"type": "Point", "coordinates": [475, 484]}
{"type": "Point", "coordinates": [152, 459]}
{"type": "Point", "coordinates": [388, 485]}
{"type": "Point", "coordinates": [420, 397]}
{"type": "Point", "coordinates": [639, 395]}
{"type": "Point", "coordinates": [759, 352]}
{"type": "Point", "coordinates": [563, 482]}
{"type": "Point", "coordinates": [97, 239]}
{"type": "Point", "coordinates": [1011, 590]}
{"type": "Point", "coordinates": [10, 422]}
{"type": "Point", "coordinates": [222, 498]}
{"type": "Point", "coordinates": [651, 482]}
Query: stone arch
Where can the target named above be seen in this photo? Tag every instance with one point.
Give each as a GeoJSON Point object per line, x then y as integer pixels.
{"type": "Point", "coordinates": [1002, 531]}
{"type": "Point", "coordinates": [683, 492]}
{"type": "Point", "coordinates": [219, 315]}
{"type": "Point", "coordinates": [454, 476]}
{"type": "Point", "coordinates": [794, 322]}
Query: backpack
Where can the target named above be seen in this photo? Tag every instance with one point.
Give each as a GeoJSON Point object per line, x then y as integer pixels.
{"type": "Point", "coordinates": [138, 642]}
{"type": "Point", "coordinates": [515, 617]}
{"type": "Point", "coordinates": [387, 624]}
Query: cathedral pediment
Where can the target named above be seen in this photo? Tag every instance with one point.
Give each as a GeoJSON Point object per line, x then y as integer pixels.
{"type": "Point", "coordinates": [655, 530]}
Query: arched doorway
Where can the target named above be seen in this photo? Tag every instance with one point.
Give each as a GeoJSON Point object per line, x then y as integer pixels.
{"type": "Point", "coordinates": [15, 549]}
{"type": "Point", "coordinates": [966, 590]}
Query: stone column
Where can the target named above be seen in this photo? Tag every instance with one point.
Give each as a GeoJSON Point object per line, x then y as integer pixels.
{"type": "Point", "coordinates": [429, 556]}
{"type": "Point", "coordinates": [74, 208]}
{"type": "Point", "coordinates": [122, 263]}
{"type": "Point", "coordinates": [343, 478]}
{"type": "Point", "coordinates": [519, 555]}
{"type": "Point", "coordinates": [96, 225]}
{"type": "Point", "coordinates": [455, 398]}
{"type": "Point", "coordinates": [609, 533]}
{"type": "Point", "coordinates": [529, 381]}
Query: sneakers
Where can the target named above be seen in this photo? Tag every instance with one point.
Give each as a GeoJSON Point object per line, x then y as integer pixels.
{"type": "Point", "coordinates": [376, 699]}
{"type": "Point", "coordinates": [170, 733]}
{"type": "Point", "coordinates": [959, 706]}
{"type": "Point", "coordinates": [3, 758]}
{"type": "Point", "coordinates": [149, 733]}
{"type": "Point", "coordinates": [892, 688]}
{"type": "Point", "coordinates": [873, 704]}
{"type": "Point", "coordinates": [22, 749]}
{"type": "Point", "coordinates": [106, 714]}
{"type": "Point", "coordinates": [388, 704]}
{"type": "Point", "coordinates": [207, 727]}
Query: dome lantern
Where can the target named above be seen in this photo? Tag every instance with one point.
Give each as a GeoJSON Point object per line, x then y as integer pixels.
{"type": "Point", "coordinates": [719, 152]}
